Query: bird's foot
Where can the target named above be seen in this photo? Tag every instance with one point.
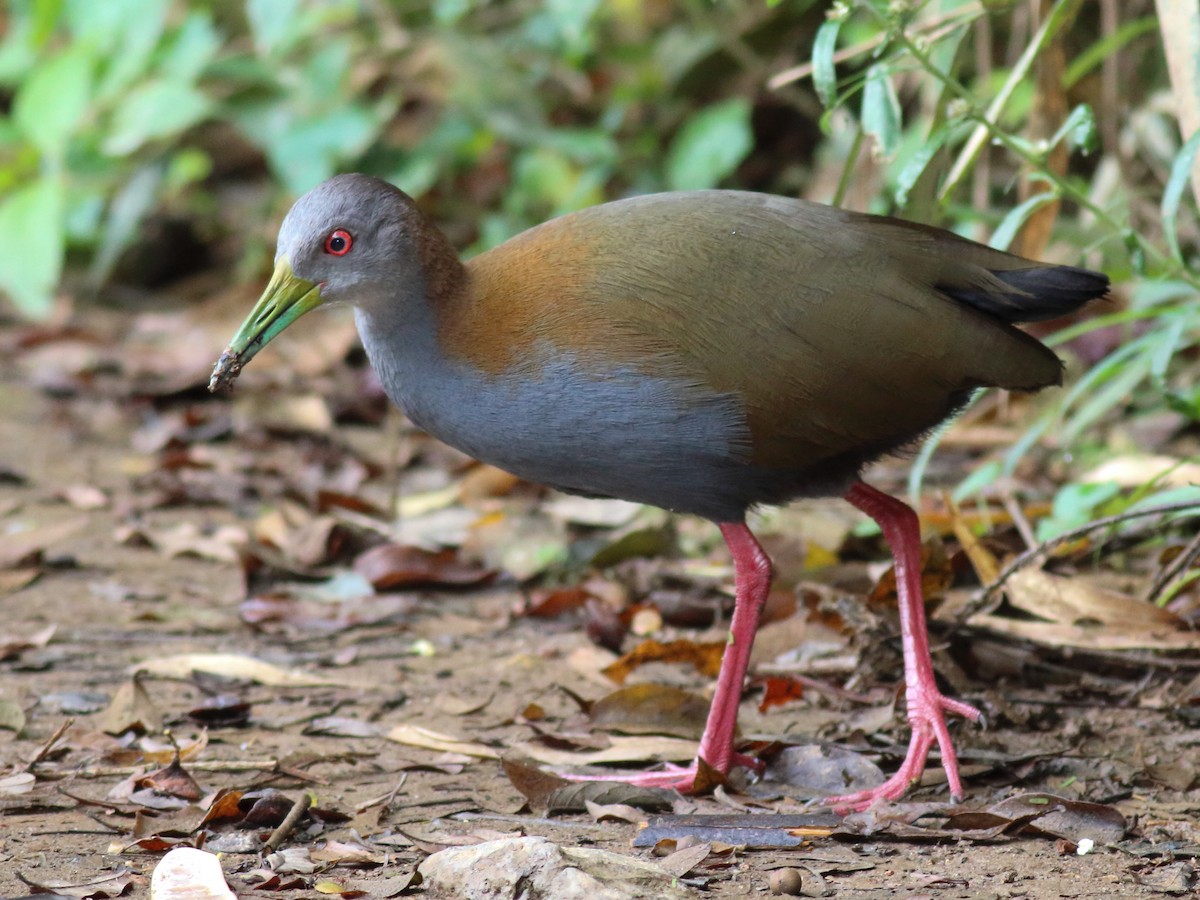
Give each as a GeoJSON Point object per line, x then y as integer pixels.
{"type": "Point", "coordinates": [927, 717]}
{"type": "Point", "coordinates": [697, 778]}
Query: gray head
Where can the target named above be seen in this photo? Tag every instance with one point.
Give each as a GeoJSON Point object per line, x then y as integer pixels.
{"type": "Point", "coordinates": [356, 236]}
{"type": "Point", "coordinates": [353, 239]}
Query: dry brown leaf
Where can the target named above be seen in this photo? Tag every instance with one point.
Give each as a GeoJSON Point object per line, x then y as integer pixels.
{"type": "Point", "coordinates": [484, 481]}
{"type": "Point", "coordinates": [937, 575]}
{"type": "Point", "coordinates": [13, 580]}
{"type": "Point", "coordinates": [983, 561]}
{"type": "Point", "coordinates": [651, 709]}
{"type": "Point", "coordinates": [704, 657]}
{"type": "Point", "coordinates": [187, 538]}
{"type": "Point", "coordinates": [16, 646]}
{"type": "Point", "coordinates": [1134, 471]}
{"type": "Point", "coordinates": [242, 668]}
{"type": "Point", "coordinates": [614, 812]}
{"type": "Point", "coordinates": [416, 736]}
{"type": "Point", "coordinates": [131, 709]}
{"type": "Point", "coordinates": [622, 748]}
{"type": "Point", "coordinates": [84, 496]}
{"type": "Point", "coordinates": [307, 412]}
{"type": "Point", "coordinates": [22, 548]}
{"type": "Point", "coordinates": [160, 752]}
{"type": "Point", "coordinates": [391, 566]}
{"type": "Point", "coordinates": [683, 861]}
{"type": "Point", "coordinates": [341, 853]}
{"type": "Point", "coordinates": [1073, 612]}
{"type": "Point", "coordinates": [173, 781]}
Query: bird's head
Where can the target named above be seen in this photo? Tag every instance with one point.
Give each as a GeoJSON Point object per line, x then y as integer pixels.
{"type": "Point", "coordinates": [352, 239]}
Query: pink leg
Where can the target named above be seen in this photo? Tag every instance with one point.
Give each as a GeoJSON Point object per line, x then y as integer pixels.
{"type": "Point", "coordinates": [752, 583]}
{"type": "Point", "coordinates": [926, 705]}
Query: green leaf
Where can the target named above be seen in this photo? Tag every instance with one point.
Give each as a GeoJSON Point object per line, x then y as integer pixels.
{"type": "Point", "coordinates": [710, 145]}
{"type": "Point", "coordinates": [50, 103]}
{"type": "Point", "coordinates": [154, 110]}
{"type": "Point", "coordinates": [824, 73]}
{"type": "Point", "coordinates": [29, 277]}
{"type": "Point", "coordinates": [1164, 348]}
{"type": "Point", "coordinates": [881, 110]}
{"type": "Point", "coordinates": [1011, 223]}
{"type": "Point", "coordinates": [1079, 130]}
{"type": "Point", "coordinates": [981, 478]}
{"type": "Point", "coordinates": [572, 20]}
{"type": "Point", "coordinates": [920, 159]}
{"type": "Point", "coordinates": [304, 152]}
{"type": "Point", "coordinates": [191, 48]}
{"type": "Point", "coordinates": [125, 214]}
{"type": "Point", "coordinates": [126, 34]}
{"type": "Point", "coordinates": [1074, 506]}
{"type": "Point", "coordinates": [1105, 47]}
{"type": "Point", "coordinates": [448, 12]}
{"type": "Point", "coordinates": [274, 23]}
{"type": "Point", "coordinates": [1181, 173]}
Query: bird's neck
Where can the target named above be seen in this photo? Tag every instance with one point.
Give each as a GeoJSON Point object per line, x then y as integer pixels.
{"type": "Point", "coordinates": [400, 330]}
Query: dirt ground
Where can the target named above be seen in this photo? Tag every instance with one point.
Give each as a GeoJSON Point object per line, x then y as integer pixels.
{"type": "Point", "coordinates": [145, 522]}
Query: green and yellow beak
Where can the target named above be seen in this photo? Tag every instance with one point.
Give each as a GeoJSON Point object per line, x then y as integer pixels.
{"type": "Point", "coordinates": [285, 299]}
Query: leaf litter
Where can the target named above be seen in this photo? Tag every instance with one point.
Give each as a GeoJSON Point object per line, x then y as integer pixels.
{"type": "Point", "coordinates": [225, 572]}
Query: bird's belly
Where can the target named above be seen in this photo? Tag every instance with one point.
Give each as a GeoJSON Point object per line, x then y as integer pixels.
{"type": "Point", "coordinates": [617, 434]}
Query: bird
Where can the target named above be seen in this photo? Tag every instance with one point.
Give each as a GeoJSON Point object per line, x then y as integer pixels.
{"type": "Point", "coordinates": [706, 352]}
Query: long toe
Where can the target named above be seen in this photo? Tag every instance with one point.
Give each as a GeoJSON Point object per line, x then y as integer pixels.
{"type": "Point", "coordinates": [927, 717]}
{"type": "Point", "coordinates": [684, 779]}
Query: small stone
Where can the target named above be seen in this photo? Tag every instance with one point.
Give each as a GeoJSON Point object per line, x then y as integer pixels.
{"type": "Point", "coordinates": [786, 881]}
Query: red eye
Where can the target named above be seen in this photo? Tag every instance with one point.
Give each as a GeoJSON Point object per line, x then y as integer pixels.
{"type": "Point", "coordinates": [339, 242]}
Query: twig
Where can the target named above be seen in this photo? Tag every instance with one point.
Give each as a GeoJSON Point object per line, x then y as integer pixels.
{"type": "Point", "coordinates": [1044, 549]}
{"type": "Point", "coordinates": [385, 803]}
{"type": "Point", "coordinates": [233, 765]}
{"type": "Point", "coordinates": [1018, 516]}
{"type": "Point", "coordinates": [933, 30]}
{"type": "Point", "coordinates": [1174, 569]}
{"type": "Point", "coordinates": [288, 825]}
{"type": "Point", "coordinates": [44, 750]}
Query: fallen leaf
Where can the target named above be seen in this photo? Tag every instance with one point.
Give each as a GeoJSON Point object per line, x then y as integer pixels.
{"type": "Point", "coordinates": [26, 547]}
{"type": "Point", "coordinates": [651, 709]}
{"type": "Point", "coordinates": [84, 496]}
{"type": "Point", "coordinates": [615, 812]}
{"type": "Point", "coordinates": [241, 668]}
{"type": "Point", "coordinates": [684, 860]}
{"type": "Point", "coordinates": [416, 736]}
{"type": "Point", "coordinates": [14, 647]}
{"type": "Point", "coordinates": [110, 885]}
{"type": "Point", "coordinates": [1073, 612]}
{"type": "Point", "coordinates": [131, 709]}
{"type": "Point", "coordinates": [778, 690]}
{"type": "Point", "coordinates": [221, 544]}
{"type": "Point", "coordinates": [704, 657]}
{"type": "Point", "coordinates": [174, 781]}
{"type": "Point", "coordinates": [391, 566]}
{"type": "Point", "coordinates": [621, 749]}
{"type": "Point", "coordinates": [17, 783]}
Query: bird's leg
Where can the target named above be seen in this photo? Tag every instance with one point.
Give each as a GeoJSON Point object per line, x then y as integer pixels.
{"type": "Point", "coordinates": [752, 583]}
{"type": "Point", "coordinates": [926, 704]}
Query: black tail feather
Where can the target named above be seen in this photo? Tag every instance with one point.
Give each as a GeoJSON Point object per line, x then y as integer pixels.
{"type": "Point", "coordinates": [1038, 293]}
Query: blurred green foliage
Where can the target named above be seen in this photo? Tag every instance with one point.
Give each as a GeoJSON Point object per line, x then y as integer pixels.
{"type": "Point", "coordinates": [114, 103]}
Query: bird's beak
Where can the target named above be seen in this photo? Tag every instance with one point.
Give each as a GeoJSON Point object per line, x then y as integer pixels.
{"type": "Point", "coordinates": [285, 299]}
